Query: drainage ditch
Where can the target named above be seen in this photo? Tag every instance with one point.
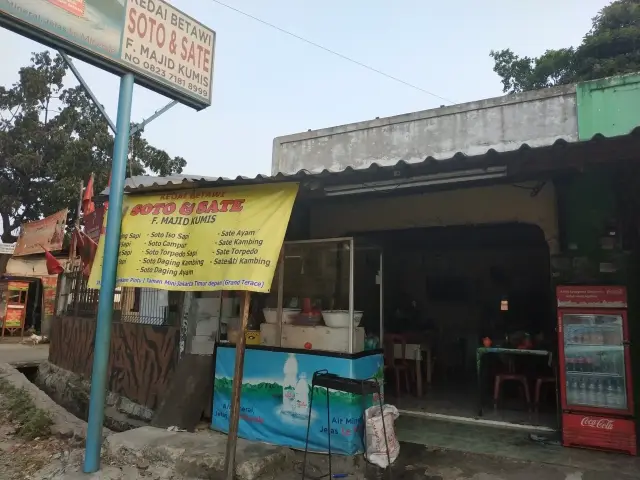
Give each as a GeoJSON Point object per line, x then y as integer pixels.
{"type": "Point", "coordinates": [31, 372]}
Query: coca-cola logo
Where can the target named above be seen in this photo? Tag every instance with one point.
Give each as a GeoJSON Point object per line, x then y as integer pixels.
{"type": "Point", "coordinates": [600, 423]}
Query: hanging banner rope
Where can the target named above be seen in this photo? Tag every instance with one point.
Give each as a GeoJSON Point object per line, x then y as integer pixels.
{"type": "Point", "coordinates": [218, 239]}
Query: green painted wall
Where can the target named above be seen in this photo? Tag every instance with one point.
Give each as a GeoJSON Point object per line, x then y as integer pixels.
{"type": "Point", "coordinates": [610, 106]}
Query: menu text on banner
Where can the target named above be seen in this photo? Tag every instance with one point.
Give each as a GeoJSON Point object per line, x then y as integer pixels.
{"type": "Point", "coordinates": [206, 239]}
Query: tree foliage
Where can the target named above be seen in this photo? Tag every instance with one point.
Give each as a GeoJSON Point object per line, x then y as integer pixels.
{"type": "Point", "coordinates": [611, 47]}
{"type": "Point", "coordinates": [51, 138]}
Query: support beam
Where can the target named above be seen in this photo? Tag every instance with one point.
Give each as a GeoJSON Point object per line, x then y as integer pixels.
{"type": "Point", "coordinates": [98, 105]}
{"type": "Point", "coordinates": [140, 126]}
{"type": "Point", "coordinates": [136, 128]}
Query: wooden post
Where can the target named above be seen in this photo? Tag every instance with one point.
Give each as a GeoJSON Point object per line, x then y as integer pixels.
{"type": "Point", "coordinates": [76, 291]}
{"type": "Point", "coordinates": [72, 244]}
{"type": "Point", "coordinates": [234, 418]}
{"type": "Point", "coordinates": [280, 295]}
{"type": "Point", "coordinates": [24, 317]}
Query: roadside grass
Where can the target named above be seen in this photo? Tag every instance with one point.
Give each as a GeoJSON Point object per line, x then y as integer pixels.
{"type": "Point", "coordinates": [18, 407]}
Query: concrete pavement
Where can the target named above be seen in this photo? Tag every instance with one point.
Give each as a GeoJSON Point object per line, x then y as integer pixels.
{"type": "Point", "coordinates": [197, 455]}
{"type": "Point", "coordinates": [19, 355]}
{"type": "Point", "coordinates": [417, 462]}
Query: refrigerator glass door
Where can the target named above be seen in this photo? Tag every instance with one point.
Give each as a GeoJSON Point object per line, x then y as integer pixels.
{"type": "Point", "coordinates": [595, 361]}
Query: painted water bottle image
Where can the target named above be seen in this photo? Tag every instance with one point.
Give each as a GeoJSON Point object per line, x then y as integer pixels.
{"type": "Point", "coordinates": [302, 396]}
{"type": "Point", "coordinates": [289, 384]}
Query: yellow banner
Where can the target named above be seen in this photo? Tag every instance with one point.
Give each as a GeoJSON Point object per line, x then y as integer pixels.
{"type": "Point", "coordinates": [213, 239]}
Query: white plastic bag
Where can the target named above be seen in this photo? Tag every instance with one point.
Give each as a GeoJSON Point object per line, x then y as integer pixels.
{"type": "Point", "coordinates": [376, 448]}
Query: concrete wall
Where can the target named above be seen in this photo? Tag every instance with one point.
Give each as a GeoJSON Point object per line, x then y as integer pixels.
{"type": "Point", "coordinates": [504, 123]}
{"type": "Point", "coordinates": [473, 206]}
{"type": "Point", "coordinates": [30, 266]}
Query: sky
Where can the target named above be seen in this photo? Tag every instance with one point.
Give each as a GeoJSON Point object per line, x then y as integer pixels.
{"type": "Point", "coordinates": [268, 84]}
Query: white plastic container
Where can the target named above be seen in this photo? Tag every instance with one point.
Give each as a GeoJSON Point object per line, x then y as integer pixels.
{"type": "Point", "coordinates": [289, 385]}
{"type": "Point", "coordinates": [312, 338]}
{"type": "Point", "coordinates": [288, 315]}
{"type": "Point", "coordinates": [340, 318]}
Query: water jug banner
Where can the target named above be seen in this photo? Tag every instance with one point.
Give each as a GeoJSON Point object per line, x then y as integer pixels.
{"type": "Point", "coordinates": [275, 400]}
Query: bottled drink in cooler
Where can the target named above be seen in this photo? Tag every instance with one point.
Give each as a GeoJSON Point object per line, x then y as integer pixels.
{"type": "Point", "coordinates": [591, 392]}
{"type": "Point", "coordinates": [609, 395]}
{"type": "Point", "coordinates": [603, 365]}
{"type": "Point", "coordinates": [600, 398]}
{"type": "Point", "coordinates": [620, 400]}
{"type": "Point", "coordinates": [571, 394]}
{"type": "Point", "coordinates": [574, 337]}
{"type": "Point", "coordinates": [581, 397]}
{"type": "Point", "coordinates": [588, 364]}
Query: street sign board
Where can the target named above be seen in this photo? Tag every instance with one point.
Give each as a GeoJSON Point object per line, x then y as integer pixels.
{"type": "Point", "coordinates": [164, 48]}
{"type": "Point", "coordinates": [46, 233]}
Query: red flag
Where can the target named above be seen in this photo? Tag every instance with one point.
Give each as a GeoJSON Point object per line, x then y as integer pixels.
{"type": "Point", "coordinates": [54, 267]}
{"type": "Point", "coordinates": [87, 200]}
{"type": "Point", "coordinates": [88, 249]}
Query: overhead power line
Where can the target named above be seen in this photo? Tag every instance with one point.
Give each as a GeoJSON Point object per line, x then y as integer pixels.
{"type": "Point", "coordinates": [332, 52]}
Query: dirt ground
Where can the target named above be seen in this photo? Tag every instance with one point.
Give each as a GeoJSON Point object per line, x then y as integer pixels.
{"type": "Point", "coordinates": [21, 459]}
{"type": "Point", "coordinates": [59, 459]}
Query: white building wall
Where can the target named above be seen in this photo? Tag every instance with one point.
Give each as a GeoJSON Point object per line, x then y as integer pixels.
{"type": "Point", "coordinates": [536, 118]}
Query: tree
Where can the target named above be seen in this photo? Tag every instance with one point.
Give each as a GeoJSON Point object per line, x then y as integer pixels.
{"type": "Point", "coordinates": [51, 138]}
{"type": "Point", "coordinates": [611, 47]}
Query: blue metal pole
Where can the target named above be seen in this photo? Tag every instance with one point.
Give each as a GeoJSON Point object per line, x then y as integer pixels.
{"type": "Point", "coordinates": [108, 280]}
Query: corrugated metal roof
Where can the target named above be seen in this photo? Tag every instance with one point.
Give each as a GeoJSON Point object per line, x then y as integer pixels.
{"type": "Point", "coordinates": [144, 183]}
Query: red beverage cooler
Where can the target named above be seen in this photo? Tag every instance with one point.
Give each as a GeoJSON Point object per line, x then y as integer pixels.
{"type": "Point", "coordinates": [595, 370]}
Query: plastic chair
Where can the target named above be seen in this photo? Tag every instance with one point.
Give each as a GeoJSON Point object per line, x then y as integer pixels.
{"type": "Point", "coordinates": [398, 365]}
{"type": "Point", "coordinates": [510, 377]}
{"type": "Point", "coordinates": [539, 383]}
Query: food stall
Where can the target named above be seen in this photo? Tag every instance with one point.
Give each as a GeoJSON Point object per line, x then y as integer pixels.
{"type": "Point", "coordinates": [13, 306]}
{"type": "Point", "coordinates": [324, 312]}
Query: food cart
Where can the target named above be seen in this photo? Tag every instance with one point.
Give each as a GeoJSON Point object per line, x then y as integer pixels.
{"type": "Point", "coordinates": [325, 313]}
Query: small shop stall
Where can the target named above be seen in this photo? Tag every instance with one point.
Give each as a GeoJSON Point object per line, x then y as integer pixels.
{"type": "Point", "coordinates": [325, 314]}
{"type": "Point", "coordinates": [13, 306]}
